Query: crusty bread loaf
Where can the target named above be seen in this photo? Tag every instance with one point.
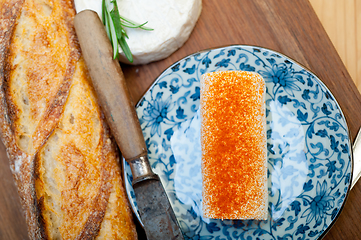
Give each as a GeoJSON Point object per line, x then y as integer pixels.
{"type": "Point", "coordinates": [63, 158]}
{"type": "Point", "coordinates": [233, 141]}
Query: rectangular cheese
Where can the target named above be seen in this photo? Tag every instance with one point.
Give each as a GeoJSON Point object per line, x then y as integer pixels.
{"type": "Point", "coordinates": [233, 141]}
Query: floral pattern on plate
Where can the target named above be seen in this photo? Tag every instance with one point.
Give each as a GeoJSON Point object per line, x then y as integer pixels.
{"type": "Point", "coordinates": [309, 150]}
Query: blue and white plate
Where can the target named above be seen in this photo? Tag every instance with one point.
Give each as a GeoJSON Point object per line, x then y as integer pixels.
{"type": "Point", "coordinates": [309, 149]}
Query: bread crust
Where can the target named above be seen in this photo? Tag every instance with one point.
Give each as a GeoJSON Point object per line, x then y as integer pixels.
{"type": "Point", "coordinates": [63, 158]}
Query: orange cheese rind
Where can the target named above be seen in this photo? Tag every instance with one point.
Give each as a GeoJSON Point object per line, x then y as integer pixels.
{"type": "Point", "coordinates": [233, 141]}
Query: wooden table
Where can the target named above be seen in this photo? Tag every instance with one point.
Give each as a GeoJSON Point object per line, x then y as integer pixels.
{"type": "Point", "coordinates": [342, 22]}
{"type": "Point", "coordinates": [290, 27]}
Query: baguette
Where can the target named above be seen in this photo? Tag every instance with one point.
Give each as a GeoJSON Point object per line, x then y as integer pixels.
{"type": "Point", "coordinates": [63, 158]}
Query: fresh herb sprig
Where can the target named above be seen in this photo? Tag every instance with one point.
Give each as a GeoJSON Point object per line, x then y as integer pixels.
{"type": "Point", "coordinates": [114, 25]}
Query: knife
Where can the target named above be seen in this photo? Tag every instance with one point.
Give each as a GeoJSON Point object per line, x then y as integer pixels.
{"type": "Point", "coordinates": [356, 159]}
{"type": "Point", "coordinates": [108, 81]}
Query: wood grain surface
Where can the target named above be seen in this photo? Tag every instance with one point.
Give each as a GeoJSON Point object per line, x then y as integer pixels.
{"type": "Point", "coordinates": [342, 22]}
{"type": "Point", "coordinates": [289, 27]}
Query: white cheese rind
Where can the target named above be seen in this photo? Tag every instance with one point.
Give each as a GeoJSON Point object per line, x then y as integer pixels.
{"type": "Point", "coordinates": [172, 21]}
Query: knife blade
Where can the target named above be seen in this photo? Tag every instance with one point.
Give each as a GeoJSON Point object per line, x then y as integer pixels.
{"type": "Point", "coordinates": [108, 81]}
{"type": "Point", "coordinates": [356, 159]}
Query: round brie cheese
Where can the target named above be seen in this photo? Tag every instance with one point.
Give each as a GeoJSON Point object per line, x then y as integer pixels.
{"type": "Point", "coordinates": [172, 21]}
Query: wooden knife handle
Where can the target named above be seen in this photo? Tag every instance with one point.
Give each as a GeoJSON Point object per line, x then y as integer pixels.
{"type": "Point", "coordinates": [109, 84]}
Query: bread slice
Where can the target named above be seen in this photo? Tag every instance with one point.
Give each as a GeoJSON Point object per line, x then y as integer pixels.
{"type": "Point", "coordinates": [233, 141]}
{"type": "Point", "coordinates": [63, 158]}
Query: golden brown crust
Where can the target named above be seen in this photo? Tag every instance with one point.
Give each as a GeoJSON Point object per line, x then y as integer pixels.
{"type": "Point", "coordinates": [10, 12]}
{"type": "Point", "coordinates": [63, 158]}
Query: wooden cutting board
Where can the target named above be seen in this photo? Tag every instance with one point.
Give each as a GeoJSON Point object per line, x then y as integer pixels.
{"type": "Point", "coordinates": [287, 26]}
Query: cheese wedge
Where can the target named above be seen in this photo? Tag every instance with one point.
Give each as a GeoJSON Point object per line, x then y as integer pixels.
{"type": "Point", "coordinates": [233, 141]}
